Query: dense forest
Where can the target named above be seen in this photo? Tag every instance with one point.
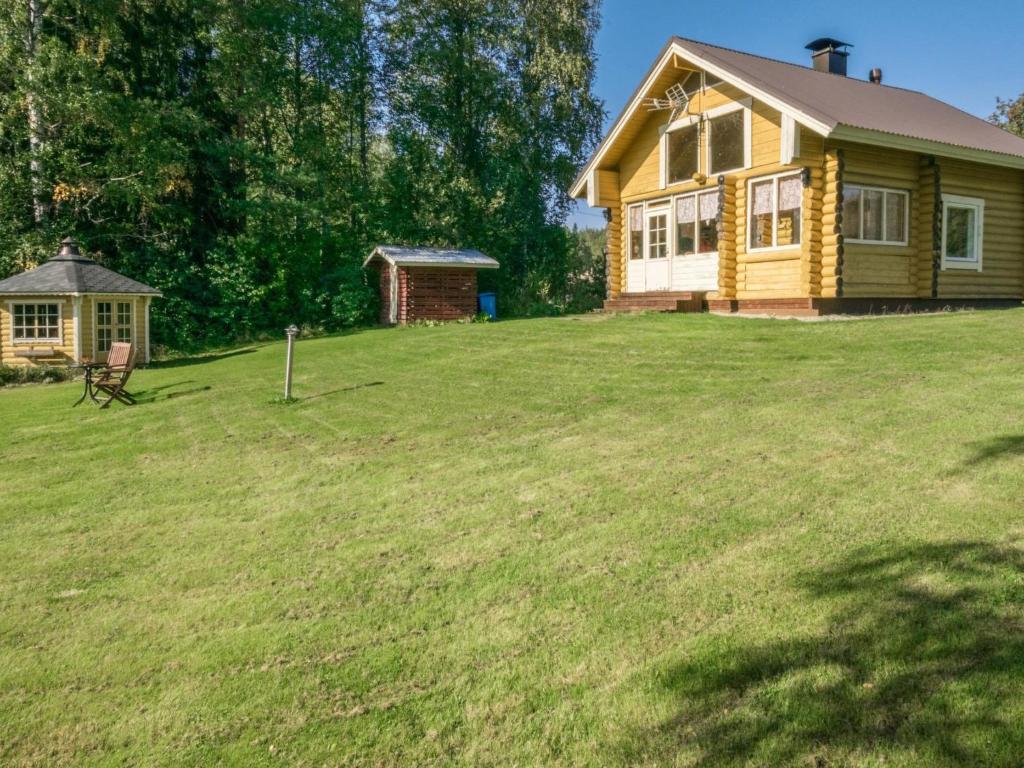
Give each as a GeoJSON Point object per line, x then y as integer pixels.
{"type": "Point", "coordinates": [244, 155]}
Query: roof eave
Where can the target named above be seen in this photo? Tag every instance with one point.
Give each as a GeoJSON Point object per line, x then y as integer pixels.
{"type": "Point", "coordinates": [451, 264]}
{"type": "Point", "coordinates": [925, 146]}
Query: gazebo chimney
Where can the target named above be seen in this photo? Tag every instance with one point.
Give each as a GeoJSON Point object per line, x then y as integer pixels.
{"type": "Point", "coordinates": [69, 248]}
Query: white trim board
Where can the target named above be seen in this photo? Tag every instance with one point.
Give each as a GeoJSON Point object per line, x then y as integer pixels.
{"type": "Point", "coordinates": [59, 340]}
{"type": "Point", "coordinates": [978, 204]}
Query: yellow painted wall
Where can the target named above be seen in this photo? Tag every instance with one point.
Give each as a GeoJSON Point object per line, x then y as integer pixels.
{"type": "Point", "coordinates": [1002, 274]}
{"type": "Point", "coordinates": [823, 264]}
{"type": "Point", "coordinates": [882, 270]}
{"type": "Point", "coordinates": [742, 275]}
{"type": "Point", "coordinates": [64, 352]}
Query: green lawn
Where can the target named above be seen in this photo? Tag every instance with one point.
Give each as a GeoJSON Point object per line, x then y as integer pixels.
{"type": "Point", "coordinates": [634, 540]}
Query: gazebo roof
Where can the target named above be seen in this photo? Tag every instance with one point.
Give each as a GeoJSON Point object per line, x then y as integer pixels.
{"type": "Point", "coordinates": [69, 272]}
{"type": "Point", "coordinates": [431, 257]}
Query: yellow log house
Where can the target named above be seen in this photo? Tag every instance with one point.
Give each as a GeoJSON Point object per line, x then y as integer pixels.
{"type": "Point", "coordinates": [70, 309]}
{"type": "Point", "coordinates": [740, 183]}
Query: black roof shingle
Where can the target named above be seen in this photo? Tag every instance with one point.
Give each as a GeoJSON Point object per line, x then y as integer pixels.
{"type": "Point", "coordinates": [70, 272]}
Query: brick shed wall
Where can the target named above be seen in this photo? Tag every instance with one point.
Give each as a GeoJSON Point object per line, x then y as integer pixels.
{"type": "Point", "coordinates": [385, 293]}
{"type": "Point", "coordinates": [436, 293]}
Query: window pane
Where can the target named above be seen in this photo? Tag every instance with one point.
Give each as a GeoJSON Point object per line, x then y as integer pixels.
{"type": "Point", "coordinates": [124, 313]}
{"type": "Point", "coordinates": [727, 142]}
{"type": "Point", "coordinates": [960, 223]}
{"type": "Point", "coordinates": [657, 236]}
{"type": "Point", "coordinates": [895, 217]}
{"type": "Point", "coordinates": [762, 195]}
{"type": "Point", "coordinates": [124, 333]}
{"type": "Point", "coordinates": [682, 154]}
{"type": "Point", "coordinates": [790, 193]}
{"type": "Point", "coordinates": [851, 213]}
{"type": "Point", "coordinates": [685, 239]}
{"type": "Point", "coordinates": [103, 339]}
{"type": "Point", "coordinates": [708, 223]}
{"type": "Point", "coordinates": [686, 225]}
{"type": "Point", "coordinates": [872, 201]}
{"type": "Point", "coordinates": [636, 232]}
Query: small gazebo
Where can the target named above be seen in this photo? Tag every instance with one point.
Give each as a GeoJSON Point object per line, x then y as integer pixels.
{"type": "Point", "coordinates": [427, 283]}
{"type": "Point", "coordinates": [70, 308]}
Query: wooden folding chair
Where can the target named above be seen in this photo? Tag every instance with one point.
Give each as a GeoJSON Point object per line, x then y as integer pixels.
{"type": "Point", "coordinates": [112, 379]}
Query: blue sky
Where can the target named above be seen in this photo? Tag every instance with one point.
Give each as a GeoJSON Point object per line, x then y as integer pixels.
{"type": "Point", "coordinates": [965, 53]}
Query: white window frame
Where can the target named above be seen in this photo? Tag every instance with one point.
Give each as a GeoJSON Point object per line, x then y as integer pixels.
{"type": "Point", "coordinates": [961, 201]}
{"type": "Point", "coordinates": [658, 208]}
{"type": "Point", "coordinates": [775, 177]}
{"type": "Point", "coordinates": [748, 140]}
{"type": "Point", "coordinates": [58, 339]}
{"type": "Point", "coordinates": [113, 300]}
{"type": "Point", "coordinates": [696, 195]}
{"type": "Point", "coordinates": [905, 241]}
{"type": "Point", "coordinates": [672, 127]}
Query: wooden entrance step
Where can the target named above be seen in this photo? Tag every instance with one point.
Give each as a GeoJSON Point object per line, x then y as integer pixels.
{"type": "Point", "coordinates": [657, 301]}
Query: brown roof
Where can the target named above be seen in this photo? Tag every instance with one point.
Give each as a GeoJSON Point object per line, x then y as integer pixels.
{"type": "Point", "coordinates": [836, 100]}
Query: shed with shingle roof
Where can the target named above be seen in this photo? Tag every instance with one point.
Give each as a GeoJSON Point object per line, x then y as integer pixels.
{"type": "Point", "coordinates": [69, 309]}
{"type": "Point", "coordinates": [419, 283]}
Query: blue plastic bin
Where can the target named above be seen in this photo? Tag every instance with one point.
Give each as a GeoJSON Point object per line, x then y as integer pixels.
{"type": "Point", "coordinates": [488, 303]}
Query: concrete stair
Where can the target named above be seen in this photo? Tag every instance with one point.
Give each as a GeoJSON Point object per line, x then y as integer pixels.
{"type": "Point", "coordinates": [657, 301]}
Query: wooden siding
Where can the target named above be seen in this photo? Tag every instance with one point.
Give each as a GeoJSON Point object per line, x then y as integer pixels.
{"type": "Point", "coordinates": [881, 270]}
{"type": "Point", "coordinates": [726, 242]}
{"type": "Point", "coordinates": [832, 251]}
{"type": "Point", "coordinates": [435, 293]}
{"type": "Point", "coordinates": [1002, 189]}
{"type": "Point", "coordinates": [616, 246]}
{"type": "Point", "coordinates": [63, 351]}
{"type": "Point", "coordinates": [926, 220]}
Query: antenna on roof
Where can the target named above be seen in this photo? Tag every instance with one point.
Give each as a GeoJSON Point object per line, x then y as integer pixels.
{"type": "Point", "coordinates": [675, 99]}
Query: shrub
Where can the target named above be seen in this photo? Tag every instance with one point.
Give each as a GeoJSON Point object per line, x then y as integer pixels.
{"type": "Point", "coordinates": [11, 375]}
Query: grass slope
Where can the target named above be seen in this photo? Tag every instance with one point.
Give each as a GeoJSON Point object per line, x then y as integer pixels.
{"type": "Point", "coordinates": [642, 540]}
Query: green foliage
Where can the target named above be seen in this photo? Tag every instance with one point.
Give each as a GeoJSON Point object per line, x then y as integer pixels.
{"type": "Point", "coordinates": [244, 157]}
{"type": "Point", "coordinates": [1009, 115]}
{"type": "Point", "coordinates": [42, 374]}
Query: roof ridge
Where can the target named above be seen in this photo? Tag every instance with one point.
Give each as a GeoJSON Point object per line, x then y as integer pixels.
{"type": "Point", "coordinates": [802, 68]}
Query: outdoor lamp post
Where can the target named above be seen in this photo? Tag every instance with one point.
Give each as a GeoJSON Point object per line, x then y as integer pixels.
{"type": "Point", "coordinates": [292, 331]}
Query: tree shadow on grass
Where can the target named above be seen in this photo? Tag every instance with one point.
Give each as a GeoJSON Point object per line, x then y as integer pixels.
{"type": "Point", "coordinates": [353, 388]}
{"type": "Point", "coordinates": [179, 362]}
{"type": "Point", "coordinates": [156, 394]}
{"type": "Point", "coordinates": [922, 663]}
{"type": "Point", "coordinates": [996, 447]}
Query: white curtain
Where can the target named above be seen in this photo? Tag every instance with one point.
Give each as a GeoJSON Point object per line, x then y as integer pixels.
{"type": "Point", "coordinates": [636, 219]}
{"type": "Point", "coordinates": [709, 206]}
{"type": "Point", "coordinates": [763, 198]}
{"type": "Point", "coordinates": [685, 209]}
{"type": "Point", "coordinates": [791, 190]}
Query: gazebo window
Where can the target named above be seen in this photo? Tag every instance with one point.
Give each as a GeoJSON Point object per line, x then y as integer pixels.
{"type": "Point", "coordinates": [104, 326]}
{"type": "Point", "coordinates": [124, 321]}
{"type": "Point", "coordinates": [36, 322]}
